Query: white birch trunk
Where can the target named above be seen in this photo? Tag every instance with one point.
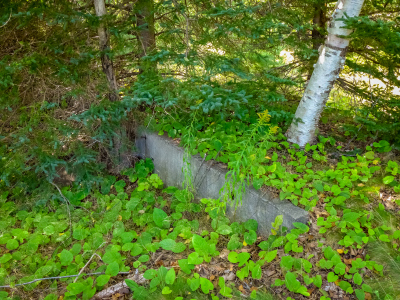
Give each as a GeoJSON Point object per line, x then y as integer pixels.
{"type": "Point", "coordinates": [106, 62]}
{"type": "Point", "coordinates": [330, 62]}
{"type": "Point", "coordinates": [119, 155]}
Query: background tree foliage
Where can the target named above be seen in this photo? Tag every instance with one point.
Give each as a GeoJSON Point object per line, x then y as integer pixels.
{"type": "Point", "coordinates": [218, 59]}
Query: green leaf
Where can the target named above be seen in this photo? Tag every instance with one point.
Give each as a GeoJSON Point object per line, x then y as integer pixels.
{"type": "Point", "coordinates": [166, 290]}
{"type": "Point", "coordinates": [179, 247]}
{"type": "Point", "coordinates": [200, 245]}
{"type": "Point", "coordinates": [144, 258]}
{"type": "Point", "coordinates": [329, 253]}
{"type": "Point", "coordinates": [160, 218]}
{"type": "Point", "coordinates": [111, 256]}
{"type": "Point", "coordinates": [318, 281]}
{"type": "Point", "coordinates": [127, 246]}
{"type": "Point", "coordinates": [251, 224]}
{"type": "Point", "coordinates": [287, 262]}
{"type": "Point", "coordinates": [167, 244]}
{"type": "Point", "coordinates": [194, 258]}
{"type": "Point", "coordinates": [186, 266]}
{"type": "Point", "coordinates": [136, 249]}
{"type": "Point", "coordinates": [344, 285]}
{"type": "Point", "coordinates": [66, 257]}
{"type": "Point", "coordinates": [256, 272]}
{"type": "Point", "coordinates": [12, 244]}
{"type": "Point", "coordinates": [132, 203]}
{"type": "Point", "coordinates": [278, 221]}
{"type": "Point", "coordinates": [332, 277]}
{"type": "Point", "coordinates": [150, 274]}
{"type": "Point", "coordinates": [217, 145]}
{"type": "Point", "coordinates": [340, 268]}
{"type": "Point", "coordinates": [250, 237]}
{"type": "Point", "coordinates": [206, 285]}
{"type": "Point", "coordinates": [357, 279]}
{"type": "Point", "coordinates": [242, 258]}
{"type": "Point", "coordinates": [291, 282]}
{"type": "Point", "coordinates": [351, 216]}
{"type": "Point", "coordinates": [127, 237]}
{"type": "Point", "coordinates": [131, 284]}
{"type": "Point", "coordinates": [224, 229]}
{"type": "Point", "coordinates": [224, 291]}
{"type": "Point", "coordinates": [102, 280]}
{"type": "Point", "coordinates": [258, 182]}
{"type": "Point", "coordinates": [154, 282]}
{"type": "Point", "coordinates": [5, 258]}
{"type": "Point", "coordinates": [112, 269]}
{"type": "Point", "coordinates": [360, 294]}
{"type": "Point", "coordinates": [233, 257]}
{"type": "Point", "coordinates": [49, 230]}
{"type": "Point", "coordinates": [378, 267]}
{"type": "Point", "coordinates": [234, 242]}
{"type": "Point", "coordinates": [170, 276]}
{"type": "Point", "coordinates": [48, 297]}
{"type": "Point", "coordinates": [388, 179]}
{"type": "Point", "coordinates": [366, 288]}
{"type": "Point", "coordinates": [303, 227]}
{"type": "Point", "coordinates": [76, 288]}
{"type": "Point", "coordinates": [270, 256]}
{"type": "Point", "coordinates": [80, 234]}
{"type": "Point", "coordinates": [384, 238]}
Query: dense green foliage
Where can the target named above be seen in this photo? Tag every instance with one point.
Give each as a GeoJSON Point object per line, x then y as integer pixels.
{"type": "Point", "coordinates": [225, 78]}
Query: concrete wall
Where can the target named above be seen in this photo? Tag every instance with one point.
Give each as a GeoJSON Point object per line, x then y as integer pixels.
{"type": "Point", "coordinates": [208, 179]}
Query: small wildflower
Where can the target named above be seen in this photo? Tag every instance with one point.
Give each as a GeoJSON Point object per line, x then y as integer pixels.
{"type": "Point", "coordinates": [273, 129]}
{"type": "Point", "coordinates": [264, 117]}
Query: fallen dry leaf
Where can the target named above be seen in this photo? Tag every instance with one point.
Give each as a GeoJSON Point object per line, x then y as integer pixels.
{"type": "Point", "coordinates": [347, 261]}
{"type": "Point", "coordinates": [160, 263]}
{"type": "Point", "coordinates": [224, 253]}
{"type": "Point", "coordinates": [115, 296]}
{"type": "Point", "coordinates": [270, 272]}
{"type": "Point", "coordinates": [311, 290]}
{"type": "Point", "coordinates": [229, 277]}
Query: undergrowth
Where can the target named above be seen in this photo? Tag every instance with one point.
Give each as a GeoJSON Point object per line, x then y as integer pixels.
{"type": "Point", "coordinates": [141, 228]}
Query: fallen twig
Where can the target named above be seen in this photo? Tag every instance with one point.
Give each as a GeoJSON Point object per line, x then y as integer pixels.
{"type": "Point", "coordinates": [120, 287]}
{"type": "Point", "coordinates": [68, 204]}
{"type": "Point", "coordinates": [56, 277]}
{"type": "Point", "coordinates": [80, 272]}
{"type": "Point", "coordinates": [9, 18]}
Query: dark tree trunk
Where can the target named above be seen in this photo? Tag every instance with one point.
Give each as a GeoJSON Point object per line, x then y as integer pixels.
{"type": "Point", "coordinates": [144, 10]}
{"type": "Point", "coordinates": [319, 21]}
{"type": "Point", "coordinates": [317, 35]}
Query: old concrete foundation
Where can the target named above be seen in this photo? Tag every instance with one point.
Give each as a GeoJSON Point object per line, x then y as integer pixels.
{"type": "Point", "coordinates": [209, 178]}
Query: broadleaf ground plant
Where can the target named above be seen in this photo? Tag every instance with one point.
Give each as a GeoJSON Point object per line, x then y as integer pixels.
{"type": "Point", "coordinates": [80, 212]}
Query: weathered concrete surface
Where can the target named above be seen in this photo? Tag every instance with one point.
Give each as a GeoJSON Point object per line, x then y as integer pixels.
{"type": "Point", "coordinates": [208, 179]}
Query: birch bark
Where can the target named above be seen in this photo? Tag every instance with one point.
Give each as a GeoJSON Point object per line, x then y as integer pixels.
{"type": "Point", "coordinates": [330, 62]}
{"type": "Point", "coordinates": [120, 157]}
{"type": "Point", "coordinates": [104, 45]}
